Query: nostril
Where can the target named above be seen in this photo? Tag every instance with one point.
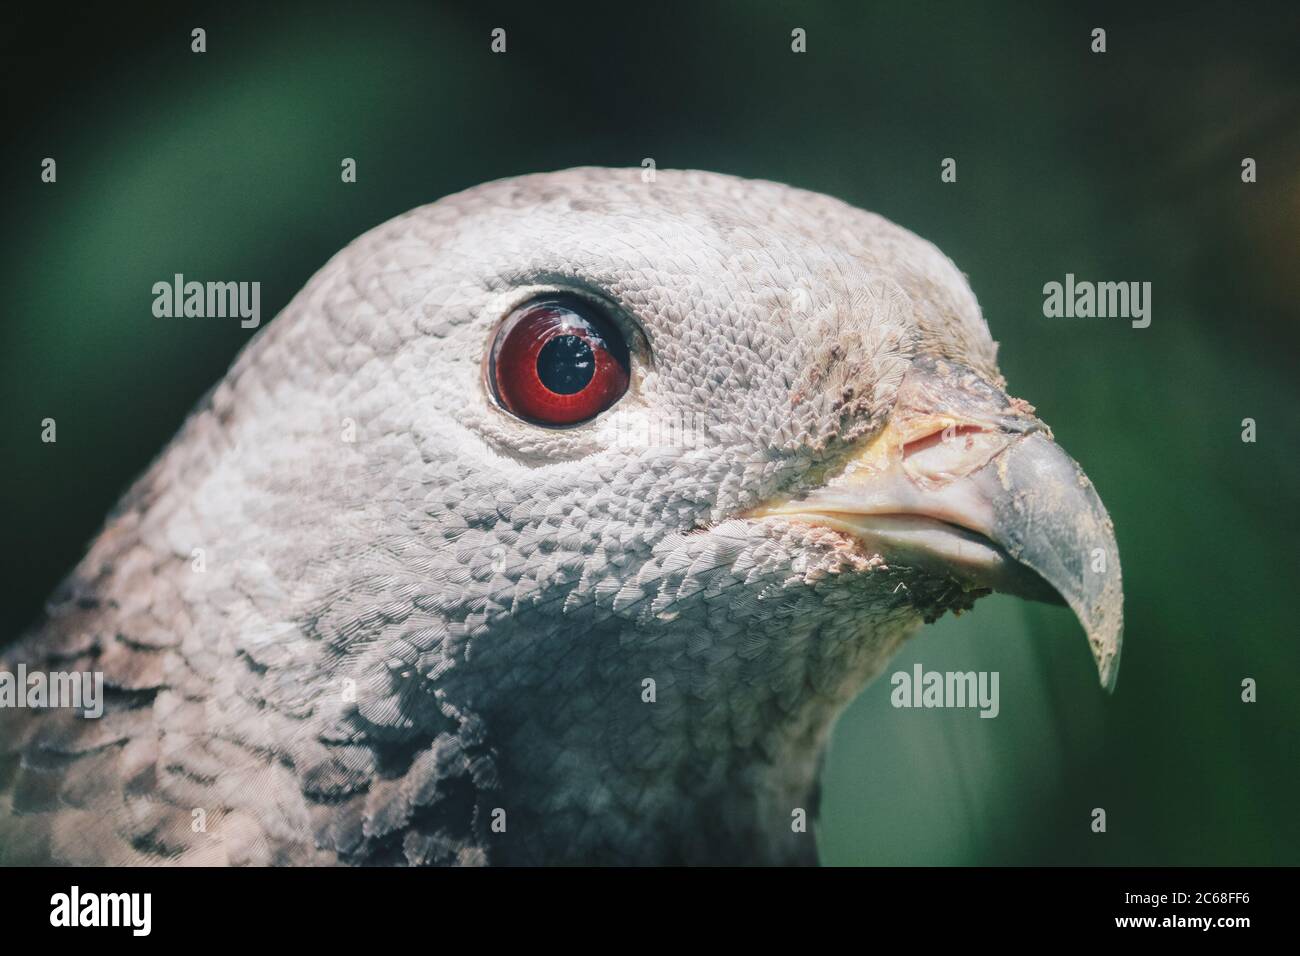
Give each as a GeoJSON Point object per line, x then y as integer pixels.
{"type": "Point", "coordinates": [952, 452]}
{"type": "Point", "coordinates": [958, 435]}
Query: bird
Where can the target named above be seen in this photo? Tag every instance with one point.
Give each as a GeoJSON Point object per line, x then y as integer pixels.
{"type": "Point", "coordinates": [553, 522]}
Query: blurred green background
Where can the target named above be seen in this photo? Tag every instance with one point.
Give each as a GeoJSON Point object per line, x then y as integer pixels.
{"type": "Point", "coordinates": [1122, 166]}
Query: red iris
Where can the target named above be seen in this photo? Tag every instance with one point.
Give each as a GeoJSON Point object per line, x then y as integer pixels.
{"type": "Point", "coordinates": [558, 363]}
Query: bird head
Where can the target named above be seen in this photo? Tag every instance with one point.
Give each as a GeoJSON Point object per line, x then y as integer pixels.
{"type": "Point", "coordinates": [671, 469]}
{"type": "Point", "coordinates": [593, 501]}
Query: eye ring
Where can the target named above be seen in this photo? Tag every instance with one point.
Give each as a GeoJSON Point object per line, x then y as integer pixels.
{"type": "Point", "coordinates": [557, 361]}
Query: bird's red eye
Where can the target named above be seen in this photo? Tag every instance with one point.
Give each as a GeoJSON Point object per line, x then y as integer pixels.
{"type": "Point", "coordinates": [558, 362]}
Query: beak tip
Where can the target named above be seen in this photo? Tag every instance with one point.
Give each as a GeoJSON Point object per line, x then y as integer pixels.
{"type": "Point", "coordinates": [1105, 638]}
{"type": "Point", "coordinates": [1106, 629]}
{"type": "Point", "coordinates": [1108, 669]}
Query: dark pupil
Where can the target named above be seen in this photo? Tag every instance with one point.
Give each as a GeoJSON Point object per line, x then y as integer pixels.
{"type": "Point", "coordinates": [565, 364]}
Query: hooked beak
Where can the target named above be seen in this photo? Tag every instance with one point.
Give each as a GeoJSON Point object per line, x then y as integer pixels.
{"type": "Point", "coordinates": [965, 482]}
